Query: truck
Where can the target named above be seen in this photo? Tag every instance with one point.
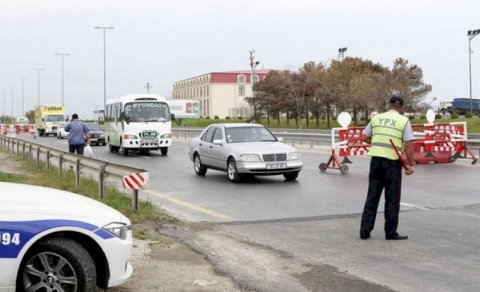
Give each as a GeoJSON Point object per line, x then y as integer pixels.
{"type": "Point", "coordinates": [48, 118]}
{"type": "Point", "coordinates": [464, 105]}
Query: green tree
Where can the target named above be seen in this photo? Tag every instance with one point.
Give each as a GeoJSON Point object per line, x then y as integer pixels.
{"type": "Point", "coordinates": [407, 81]}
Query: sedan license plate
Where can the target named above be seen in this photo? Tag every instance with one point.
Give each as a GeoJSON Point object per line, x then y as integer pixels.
{"type": "Point", "coordinates": [277, 166]}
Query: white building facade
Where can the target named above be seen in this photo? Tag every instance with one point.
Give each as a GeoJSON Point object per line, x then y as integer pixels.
{"type": "Point", "coordinates": [220, 94]}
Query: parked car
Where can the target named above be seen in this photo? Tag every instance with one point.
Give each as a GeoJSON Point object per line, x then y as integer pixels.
{"type": "Point", "coordinates": [61, 133]}
{"type": "Point", "coordinates": [52, 240]}
{"type": "Point", "coordinates": [243, 149]}
{"type": "Point", "coordinates": [97, 134]}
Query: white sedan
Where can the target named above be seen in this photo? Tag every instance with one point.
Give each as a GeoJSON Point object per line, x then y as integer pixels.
{"type": "Point", "coordinates": [243, 150]}
{"type": "Point", "coordinates": [52, 240]}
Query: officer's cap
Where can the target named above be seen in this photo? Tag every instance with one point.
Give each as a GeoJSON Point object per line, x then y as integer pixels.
{"type": "Point", "coordinates": [396, 100]}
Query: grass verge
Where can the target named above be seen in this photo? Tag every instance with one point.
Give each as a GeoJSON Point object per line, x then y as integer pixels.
{"type": "Point", "coordinates": [147, 216]}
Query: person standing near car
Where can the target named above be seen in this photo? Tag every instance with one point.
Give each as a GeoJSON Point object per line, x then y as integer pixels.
{"type": "Point", "coordinates": [386, 168]}
{"type": "Point", "coordinates": [77, 135]}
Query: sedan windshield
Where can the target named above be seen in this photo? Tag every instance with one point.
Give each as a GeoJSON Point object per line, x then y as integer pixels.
{"type": "Point", "coordinates": [93, 127]}
{"type": "Point", "coordinates": [248, 134]}
{"type": "Point", "coordinates": [147, 112]}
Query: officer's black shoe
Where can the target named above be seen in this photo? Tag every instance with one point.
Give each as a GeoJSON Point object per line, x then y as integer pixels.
{"type": "Point", "coordinates": [396, 236]}
{"type": "Point", "coordinates": [364, 234]}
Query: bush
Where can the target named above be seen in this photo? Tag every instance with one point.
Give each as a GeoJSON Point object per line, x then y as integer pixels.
{"type": "Point", "coordinates": [411, 117]}
{"type": "Point", "coordinates": [216, 117]}
{"type": "Point", "coordinates": [207, 118]}
{"type": "Point", "coordinates": [240, 118]}
{"type": "Point", "coordinates": [468, 115]}
{"type": "Point", "coordinates": [227, 118]}
{"type": "Point", "coordinates": [453, 116]}
{"type": "Point", "coordinates": [438, 116]}
{"type": "Point", "coordinates": [423, 117]}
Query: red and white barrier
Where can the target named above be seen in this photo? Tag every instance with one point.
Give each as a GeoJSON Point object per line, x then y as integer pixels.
{"type": "Point", "coordinates": [136, 181]}
{"type": "Point", "coordinates": [435, 142]}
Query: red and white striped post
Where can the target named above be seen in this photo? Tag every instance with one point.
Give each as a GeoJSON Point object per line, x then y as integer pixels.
{"type": "Point", "coordinates": [135, 181]}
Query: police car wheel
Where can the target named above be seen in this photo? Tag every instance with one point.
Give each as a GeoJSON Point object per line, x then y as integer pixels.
{"type": "Point", "coordinates": [57, 264]}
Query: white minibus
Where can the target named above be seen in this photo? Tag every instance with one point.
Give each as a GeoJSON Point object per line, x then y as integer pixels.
{"type": "Point", "coordinates": [140, 122]}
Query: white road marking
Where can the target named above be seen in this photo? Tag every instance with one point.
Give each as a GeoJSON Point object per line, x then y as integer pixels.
{"type": "Point", "coordinates": [414, 206]}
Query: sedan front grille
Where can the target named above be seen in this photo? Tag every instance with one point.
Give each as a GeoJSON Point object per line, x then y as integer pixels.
{"type": "Point", "coordinates": [275, 157]}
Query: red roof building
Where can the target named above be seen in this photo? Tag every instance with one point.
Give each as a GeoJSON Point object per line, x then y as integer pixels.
{"type": "Point", "coordinates": [221, 94]}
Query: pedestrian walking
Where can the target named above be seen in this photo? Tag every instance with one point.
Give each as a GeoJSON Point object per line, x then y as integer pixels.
{"type": "Point", "coordinates": [386, 168]}
{"type": "Point", "coordinates": [77, 135]}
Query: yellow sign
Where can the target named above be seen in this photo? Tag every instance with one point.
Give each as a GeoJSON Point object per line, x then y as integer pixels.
{"type": "Point", "coordinates": [52, 109]}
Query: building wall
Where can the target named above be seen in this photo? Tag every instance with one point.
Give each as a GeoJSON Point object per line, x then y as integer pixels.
{"type": "Point", "coordinates": [221, 94]}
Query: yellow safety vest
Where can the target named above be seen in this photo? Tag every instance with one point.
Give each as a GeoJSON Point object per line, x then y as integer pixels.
{"type": "Point", "coordinates": [386, 126]}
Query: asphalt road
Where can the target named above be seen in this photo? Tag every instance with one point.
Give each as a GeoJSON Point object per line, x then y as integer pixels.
{"type": "Point", "coordinates": [316, 218]}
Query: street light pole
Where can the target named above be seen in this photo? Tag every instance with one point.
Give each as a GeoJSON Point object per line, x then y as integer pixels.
{"type": "Point", "coordinates": [341, 52]}
{"type": "Point", "coordinates": [4, 104]}
{"type": "Point", "coordinates": [63, 77]}
{"type": "Point", "coordinates": [38, 83]}
{"type": "Point", "coordinates": [12, 86]}
{"type": "Point", "coordinates": [23, 95]}
{"type": "Point", "coordinates": [471, 34]}
{"type": "Point", "coordinates": [253, 65]}
{"type": "Point", "coordinates": [104, 28]}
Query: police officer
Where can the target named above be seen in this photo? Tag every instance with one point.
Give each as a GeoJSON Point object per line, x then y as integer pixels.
{"type": "Point", "coordinates": [386, 168]}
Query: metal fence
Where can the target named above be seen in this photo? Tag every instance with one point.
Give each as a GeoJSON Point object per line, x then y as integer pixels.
{"type": "Point", "coordinates": [311, 138]}
{"type": "Point", "coordinates": [63, 161]}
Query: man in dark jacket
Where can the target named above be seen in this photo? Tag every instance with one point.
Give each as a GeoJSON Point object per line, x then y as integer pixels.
{"type": "Point", "coordinates": [77, 135]}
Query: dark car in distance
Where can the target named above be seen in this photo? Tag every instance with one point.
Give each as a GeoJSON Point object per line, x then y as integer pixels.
{"type": "Point", "coordinates": [97, 134]}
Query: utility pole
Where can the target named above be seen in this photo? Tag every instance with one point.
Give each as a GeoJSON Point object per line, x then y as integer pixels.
{"type": "Point", "coordinates": [253, 65]}
{"type": "Point", "coordinates": [148, 86]}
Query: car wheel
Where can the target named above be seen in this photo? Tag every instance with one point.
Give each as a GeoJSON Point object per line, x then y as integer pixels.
{"type": "Point", "coordinates": [199, 168]}
{"type": "Point", "coordinates": [57, 264]}
{"type": "Point", "coordinates": [164, 150]}
{"type": "Point", "coordinates": [232, 171]}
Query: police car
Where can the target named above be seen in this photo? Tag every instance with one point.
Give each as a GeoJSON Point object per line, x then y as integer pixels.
{"type": "Point", "coordinates": [52, 240]}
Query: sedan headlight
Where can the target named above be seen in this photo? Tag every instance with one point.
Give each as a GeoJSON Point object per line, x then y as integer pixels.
{"type": "Point", "coordinates": [120, 230]}
{"type": "Point", "coordinates": [294, 156]}
{"type": "Point", "coordinates": [250, 157]}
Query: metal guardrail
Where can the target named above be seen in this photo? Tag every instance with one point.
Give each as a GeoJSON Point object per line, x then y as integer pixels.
{"type": "Point", "coordinates": [319, 138]}
{"type": "Point", "coordinates": [65, 160]}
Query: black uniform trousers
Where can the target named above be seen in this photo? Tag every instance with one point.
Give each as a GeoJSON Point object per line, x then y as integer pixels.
{"type": "Point", "coordinates": [384, 174]}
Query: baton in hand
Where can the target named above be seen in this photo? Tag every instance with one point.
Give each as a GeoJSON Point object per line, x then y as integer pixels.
{"type": "Point", "coordinates": [399, 155]}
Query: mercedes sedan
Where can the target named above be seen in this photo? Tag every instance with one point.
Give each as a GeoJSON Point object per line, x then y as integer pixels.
{"type": "Point", "coordinates": [242, 150]}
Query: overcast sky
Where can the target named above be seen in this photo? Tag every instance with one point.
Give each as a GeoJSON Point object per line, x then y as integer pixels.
{"type": "Point", "coordinates": [161, 42]}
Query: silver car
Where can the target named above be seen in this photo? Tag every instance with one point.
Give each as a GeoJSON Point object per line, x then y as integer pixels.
{"type": "Point", "coordinates": [243, 149]}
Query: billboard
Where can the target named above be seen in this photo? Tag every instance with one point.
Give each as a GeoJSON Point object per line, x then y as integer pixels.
{"type": "Point", "coordinates": [184, 108]}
